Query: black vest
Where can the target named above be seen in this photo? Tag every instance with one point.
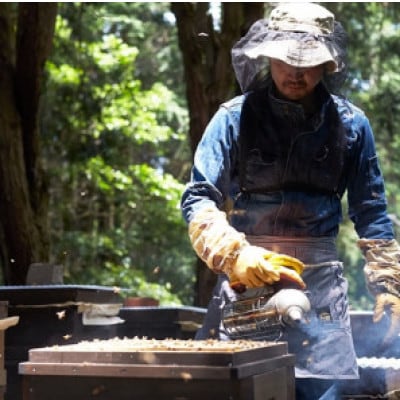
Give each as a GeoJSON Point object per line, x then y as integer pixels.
{"type": "Point", "coordinates": [279, 151]}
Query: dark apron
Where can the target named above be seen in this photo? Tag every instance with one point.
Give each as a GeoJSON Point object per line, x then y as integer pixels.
{"type": "Point", "coordinates": [324, 348]}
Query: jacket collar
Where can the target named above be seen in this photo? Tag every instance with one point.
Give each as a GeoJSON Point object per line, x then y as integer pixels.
{"type": "Point", "coordinates": [293, 113]}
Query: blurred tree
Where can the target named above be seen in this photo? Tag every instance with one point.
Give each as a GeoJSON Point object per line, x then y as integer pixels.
{"type": "Point", "coordinates": [373, 84]}
{"type": "Point", "coordinates": [26, 32]}
{"type": "Point", "coordinates": [114, 145]}
{"type": "Point", "coordinates": [113, 132]}
{"type": "Point", "coordinates": [206, 41]}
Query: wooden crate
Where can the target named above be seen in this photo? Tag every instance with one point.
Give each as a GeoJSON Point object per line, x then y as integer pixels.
{"type": "Point", "coordinates": [197, 371]}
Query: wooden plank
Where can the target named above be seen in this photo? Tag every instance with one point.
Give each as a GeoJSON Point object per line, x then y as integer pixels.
{"type": "Point", "coordinates": [125, 371]}
{"type": "Point", "coordinates": [271, 350]}
{"type": "Point", "coordinates": [156, 371]}
{"type": "Point", "coordinates": [275, 384]}
{"type": "Point", "coordinates": [8, 322]}
{"type": "Point", "coordinates": [261, 366]}
{"type": "Point", "coordinates": [192, 356]}
{"type": "Point", "coordinates": [236, 370]}
{"type": "Point", "coordinates": [51, 294]}
{"type": "Point", "coordinates": [100, 388]}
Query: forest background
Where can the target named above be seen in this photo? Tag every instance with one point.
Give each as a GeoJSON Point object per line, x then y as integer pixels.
{"type": "Point", "coordinates": [102, 106]}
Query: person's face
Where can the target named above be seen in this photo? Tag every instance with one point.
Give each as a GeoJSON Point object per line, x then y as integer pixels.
{"type": "Point", "coordinates": [295, 83]}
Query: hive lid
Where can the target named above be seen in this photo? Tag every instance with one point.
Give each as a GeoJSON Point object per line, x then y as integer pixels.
{"type": "Point", "coordinates": [158, 358]}
{"type": "Point", "coordinates": [50, 294]}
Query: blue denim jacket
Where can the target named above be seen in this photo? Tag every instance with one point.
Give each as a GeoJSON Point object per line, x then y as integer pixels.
{"type": "Point", "coordinates": [215, 180]}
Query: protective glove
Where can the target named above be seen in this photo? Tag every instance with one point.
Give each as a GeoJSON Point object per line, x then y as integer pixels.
{"type": "Point", "coordinates": [382, 275]}
{"type": "Point", "coordinates": [226, 250]}
{"type": "Point", "coordinates": [386, 302]}
{"type": "Point", "coordinates": [256, 267]}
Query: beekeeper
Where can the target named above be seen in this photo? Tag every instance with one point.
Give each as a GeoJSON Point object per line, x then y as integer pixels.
{"type": "Point", "coordinates": [264, 200]}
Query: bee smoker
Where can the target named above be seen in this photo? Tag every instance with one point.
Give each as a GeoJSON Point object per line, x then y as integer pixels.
{"type": "Point", "coordinates": [262, 313]}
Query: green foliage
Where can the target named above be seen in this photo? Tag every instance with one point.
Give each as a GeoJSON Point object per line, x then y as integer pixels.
{"type": "Point", "coordinates": [114, 150]}
{"type": "Point", "coordinates": [114, 139]}
{"type": "Point", "coordinates": [374, 85]}
{"type": "Point", "coordinates": [135, 283]}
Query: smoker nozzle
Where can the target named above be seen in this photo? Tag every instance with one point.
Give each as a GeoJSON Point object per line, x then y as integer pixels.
{"type": "Point", "coordinates": [292, 305]}
{"type": "Point", "coordinates": [294, 315]}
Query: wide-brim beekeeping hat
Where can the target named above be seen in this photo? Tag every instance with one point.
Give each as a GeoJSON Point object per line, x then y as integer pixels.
{"type": "Point", "coordinates": [299, 34]}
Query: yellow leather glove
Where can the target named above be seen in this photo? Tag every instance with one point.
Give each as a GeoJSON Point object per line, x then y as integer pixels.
{"type": "Point", "coordinates": [391, 304]}
{"type": "Point", "coordinates": [256, 266]}
{"type": "Point", "coordinates": [382, 275]}
{"type": "Point", "coordinates": [226, 250]}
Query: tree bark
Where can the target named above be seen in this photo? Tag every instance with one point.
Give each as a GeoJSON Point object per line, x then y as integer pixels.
{"type": "Point", "coordinates": [23, 205]}
{"type": "Point", "coordinates": [209, 77]}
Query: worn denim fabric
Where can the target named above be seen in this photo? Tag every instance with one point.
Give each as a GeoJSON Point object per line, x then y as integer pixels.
{"type": "Point", "coordinates": [215, 180]}
{"type": "Point", "coordinates": [324, 347]}
{"type": "Point", "coordinates": [295, 213]}
{"type": "Point", "coordinates": [317, 389]}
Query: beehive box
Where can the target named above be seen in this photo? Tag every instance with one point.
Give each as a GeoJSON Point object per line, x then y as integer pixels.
{"type": "Point", "coordinates": [49, 315]}
{"type": "Point", "coordinates": [169, 369]}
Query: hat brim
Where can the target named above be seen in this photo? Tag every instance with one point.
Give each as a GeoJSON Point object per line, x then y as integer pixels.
{"type": "Point", "coordinates": [300, 54]}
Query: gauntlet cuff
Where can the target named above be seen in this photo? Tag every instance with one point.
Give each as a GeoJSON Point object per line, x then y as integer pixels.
{"type": "Point", "coordinates": [382, 268]}
{"type": "Point", "coordinates": [215, 241]}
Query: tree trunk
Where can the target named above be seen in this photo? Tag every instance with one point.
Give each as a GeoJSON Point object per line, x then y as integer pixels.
{"type": "Point", "coordinates": [209, 77]}
{"type": "Point", "coordinates": [23, 198]}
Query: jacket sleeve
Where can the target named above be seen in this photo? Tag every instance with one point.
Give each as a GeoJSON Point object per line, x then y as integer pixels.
{"type": "Point", "coordinates": [214, 162]}
{"type": "Point", "coordinates": [365, 186]}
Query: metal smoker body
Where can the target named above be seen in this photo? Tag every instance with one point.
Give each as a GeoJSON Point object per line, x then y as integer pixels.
{"type": "Point", "coordinates": [262, 313]}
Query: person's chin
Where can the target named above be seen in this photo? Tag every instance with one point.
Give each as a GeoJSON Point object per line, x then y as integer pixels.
{"type": "Point", "coordinates": [295, 95]}
{"type": "Point", "coordinates": [295, 92]}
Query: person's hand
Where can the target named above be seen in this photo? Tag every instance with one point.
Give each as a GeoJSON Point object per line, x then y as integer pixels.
{"type": "Point", "coordinates": [255, 267]}
{"type": "Point", "coordinates": [386, 302]}
{"type": "Point", "coordinates": [382, 276]}
{"type": "Point", "coordinates": [226, 250]}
